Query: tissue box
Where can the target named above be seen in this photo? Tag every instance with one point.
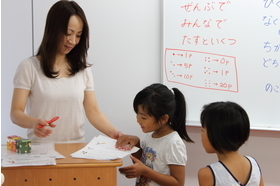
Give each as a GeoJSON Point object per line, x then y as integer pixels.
{"type": "Point", "coordinates": [11, 142]}
{"type": "Point", "coordinates": [23, 146]}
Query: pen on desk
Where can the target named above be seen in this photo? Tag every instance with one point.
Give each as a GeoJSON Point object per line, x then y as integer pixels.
{"type": "Point", "coordinates": [50, 121]}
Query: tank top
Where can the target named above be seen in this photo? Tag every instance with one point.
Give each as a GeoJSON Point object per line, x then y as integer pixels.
{"type": "Point", "coordinates": [223, 177]}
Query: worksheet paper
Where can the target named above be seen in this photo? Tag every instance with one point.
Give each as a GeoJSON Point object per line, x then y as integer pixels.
{"type": "Point", "coordinates": [102, 148]}
{"type": "Point", "coordinates": [41, 154]}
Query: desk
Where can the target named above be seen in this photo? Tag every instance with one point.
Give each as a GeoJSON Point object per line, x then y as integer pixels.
{"type": "Point", "coordinates": [68, 171]}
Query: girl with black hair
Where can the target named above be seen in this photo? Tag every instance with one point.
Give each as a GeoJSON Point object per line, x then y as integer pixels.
{"type": "Point", "coordinates": [161, 113]}
{"type": "Point", "coordinates": [225, 128]}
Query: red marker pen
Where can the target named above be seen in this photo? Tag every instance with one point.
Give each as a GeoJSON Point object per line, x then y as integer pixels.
{"type": "Point", "coordinates": [50, 121]}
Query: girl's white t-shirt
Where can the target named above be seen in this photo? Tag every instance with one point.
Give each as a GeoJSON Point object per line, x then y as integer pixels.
{"type": "Point", "coordinates": [158, 153]}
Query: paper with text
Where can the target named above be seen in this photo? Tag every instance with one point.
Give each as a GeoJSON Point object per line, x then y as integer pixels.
{"type": "Point", "coordinates": [102, 148]}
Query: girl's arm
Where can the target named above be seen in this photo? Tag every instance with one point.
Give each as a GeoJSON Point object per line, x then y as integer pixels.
{"type": "Point", "coordinates": [261, 182]}
{"type": "Point", "coordinates": [205, 177]}
{"type": "Point", "coordinates": [97, 118]}
{"type": "Point", "coordinates": [19, 118]}
{"type": "Point", "coordinates": [176, 177]}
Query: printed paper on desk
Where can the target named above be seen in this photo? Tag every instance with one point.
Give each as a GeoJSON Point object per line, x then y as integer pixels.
{"type": "Point", "coordinates": [41, 154]}
{"type": "Point", "coordinates": [38, 161]}
{"type": "Point", "coordinates": [102, 148]}
{"type": "Point", "coordinates": [37, 150]}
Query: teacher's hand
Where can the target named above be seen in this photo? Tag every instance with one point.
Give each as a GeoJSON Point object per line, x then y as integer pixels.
{"type": "Point", "coordinates": [41, 128]}
{"type": "Point", "coordinates": [126, 142]}
{"type": "Point", "coordinates": [117, 134]}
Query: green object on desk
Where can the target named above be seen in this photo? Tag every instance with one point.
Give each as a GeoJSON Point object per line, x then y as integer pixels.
{"type": "Point", "coordinates": [23, 146]}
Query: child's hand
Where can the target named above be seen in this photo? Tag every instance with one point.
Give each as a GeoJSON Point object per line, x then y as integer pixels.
{"type": "Point", "coordinates": [135, 170]}
{"type": "Point", "coordinates": [126, 142]}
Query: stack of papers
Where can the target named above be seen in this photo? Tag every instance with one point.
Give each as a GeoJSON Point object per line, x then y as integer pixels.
{"type": "Point", "coordinates": [41, 154]}
{"type": "Point", "coordinates": [102, 148]}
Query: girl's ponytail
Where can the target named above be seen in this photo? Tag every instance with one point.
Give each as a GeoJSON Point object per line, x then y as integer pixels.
{"type": "Point", "coordinates": [179, 120]}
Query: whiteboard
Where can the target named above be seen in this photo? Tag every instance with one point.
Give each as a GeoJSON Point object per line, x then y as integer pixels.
{"type": "Point", "coordinates": [224, 51]}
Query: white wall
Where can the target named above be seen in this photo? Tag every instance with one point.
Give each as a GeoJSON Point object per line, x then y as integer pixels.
{"type": "Point", "coordinates": [125, 48]}
{"type": "Point", "coordinates": [16, 44]}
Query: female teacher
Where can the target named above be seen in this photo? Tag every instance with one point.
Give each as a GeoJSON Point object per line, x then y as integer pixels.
{"type": "Point", "coordinates": [58, 82]}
